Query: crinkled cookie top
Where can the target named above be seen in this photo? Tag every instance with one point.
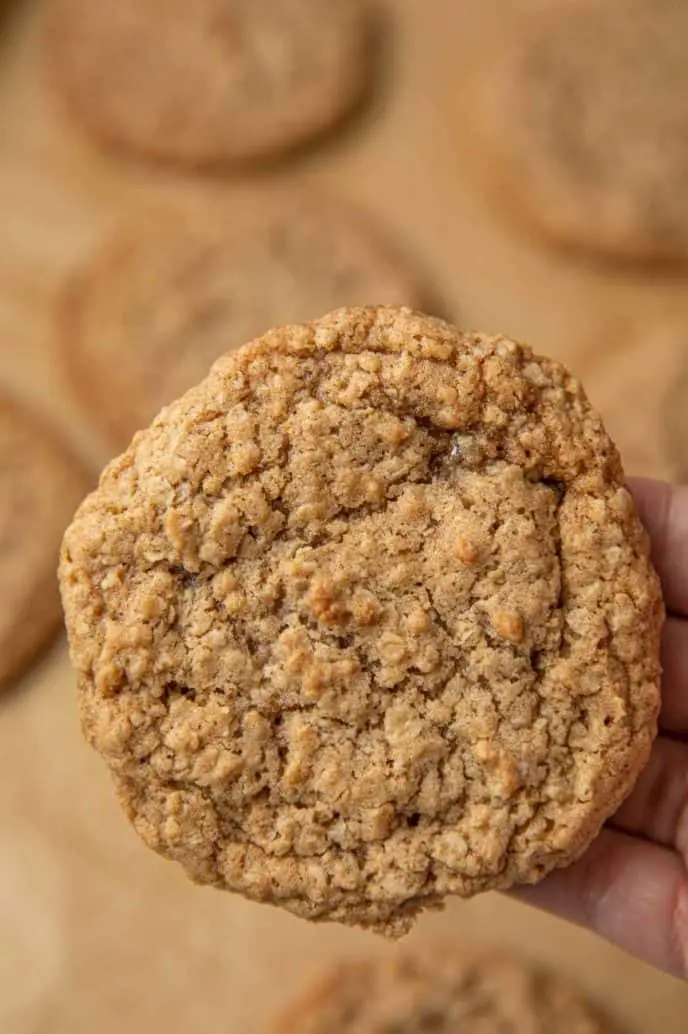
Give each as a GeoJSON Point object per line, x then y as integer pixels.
{"type": "Point", "coordinates": [367, 618]}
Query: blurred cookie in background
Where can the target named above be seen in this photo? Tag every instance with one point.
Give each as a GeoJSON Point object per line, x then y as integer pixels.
{"type": "Point", "coordinates": [40, 486]}
{"type": "Point", "coordinates": [174, 289]}
{"type": "Point", "coordinates": [583, 117]}
{"type": "Point", "coordinates": [628, 383]}
{"type": "Point", "coordinates": [444, 991]}
{"type": "Point", "coordinates": [215, 82]}
{"type": "Point", "coordinates": [676, 420]}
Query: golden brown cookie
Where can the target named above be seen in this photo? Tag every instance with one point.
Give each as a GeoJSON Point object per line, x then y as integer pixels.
{"type": "Point", "coordinates": [366, 619]}
{"type": "Point", "coordinates": [175, 289]}
{"type": "Point", "coordinates": [443, 991]}
{"type": "Point", "coordinates": [584, 119]}
{"type": "Point", "coordinates": [40, 486]}
{"type": "Point", "coordinates": [214, 82]}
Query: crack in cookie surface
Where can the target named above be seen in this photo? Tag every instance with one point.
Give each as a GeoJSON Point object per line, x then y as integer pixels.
{"type": "Point", "coordinates": [367, 618]}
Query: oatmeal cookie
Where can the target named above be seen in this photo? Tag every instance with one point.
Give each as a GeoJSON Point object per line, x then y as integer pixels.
{"type": "Point", "coordinates": [215, 82]}
{"type": "Point", "coordinates": [366, 619]}
{"type": "Point", "coordinates": [676, 421]}
{"type": "Point", "coordinates": [584, 121]}
{"type": "Point", "coordinates": [174, 289]}
{"type": "Point", "coordinates": [444, 991]}
{"type": "Point", "coordinates": [40, 487]}
{"type": "Point", "coordinates": [634, 378]}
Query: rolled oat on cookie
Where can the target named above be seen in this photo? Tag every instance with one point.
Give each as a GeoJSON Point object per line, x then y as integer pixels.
{"type": "Point", "coordinates": [367, 619]}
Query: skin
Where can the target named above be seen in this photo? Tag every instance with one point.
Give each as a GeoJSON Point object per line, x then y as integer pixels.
{"type": "Point", "coordinates": [631, 886]}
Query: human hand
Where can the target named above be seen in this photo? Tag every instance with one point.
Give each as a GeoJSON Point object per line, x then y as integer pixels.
{"type": "Point", "coordinates": [631, 885]}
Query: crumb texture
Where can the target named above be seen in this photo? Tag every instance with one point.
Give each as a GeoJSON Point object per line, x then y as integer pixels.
{"type": "Point", "coordinates": [176, 288]}
{"type": "Point", "coordinates": [443, 992]}
{"type": "Point", "coordinates": [367, 618]}
{"type": "Point", "coordinates": [588, 112]}
{"type": "Point", "coordinates": [40, 487]}
{"type": "Point", "coordinates": [215, 82]}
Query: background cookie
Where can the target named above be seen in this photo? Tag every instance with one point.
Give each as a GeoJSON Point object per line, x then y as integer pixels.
{"type": "Point", "coordinates": [173, 291]}
{"type": "Point", "coordinates": [40, 486]}
{"type": "Point", "coordinates": [216, 81]}
{"type": "Point", "coordinates": [584, 117]}
{"type": "Point", "coordinates": [444, 991]}
{"type": "Point", "coordinates": [641, 400]}
{"type": "Point", "coordinates": [675, 437]}
{"type": "Point", "coordinates": [366, 619]}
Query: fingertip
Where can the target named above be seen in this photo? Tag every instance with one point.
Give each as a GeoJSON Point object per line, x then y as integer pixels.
{"type": "Point", "coordinates": [680, 926]}
{"type": "Point", "coordinates": [663, 510]}
{"type": "Point", "coordinates": [629, 891]}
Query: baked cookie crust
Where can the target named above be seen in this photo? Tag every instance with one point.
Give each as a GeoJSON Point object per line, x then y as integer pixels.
{"type": "Point", "coordinates": [367, 618]}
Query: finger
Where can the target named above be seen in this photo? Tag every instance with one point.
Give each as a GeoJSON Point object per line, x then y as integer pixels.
{"type": "Point", "coordinates": [663, 509]}
{"type": "Point", "coordinates": [674, 716]}
{"type": "Point", "coordinates": [658, 806]}
{"type": "Point", "coordinates": [632, 892]}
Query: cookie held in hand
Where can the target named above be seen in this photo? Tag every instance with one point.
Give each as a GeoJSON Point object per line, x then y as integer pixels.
{"type": "Point", "coordinates": [366, 619]}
